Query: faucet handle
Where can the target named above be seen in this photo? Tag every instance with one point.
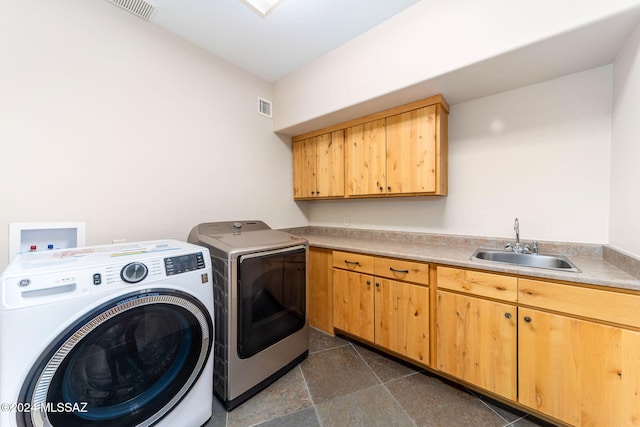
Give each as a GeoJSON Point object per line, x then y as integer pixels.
{"type": "Point", "coordinates": [534, 249]}
{"type": "Point", "coordinates": [508, 246]}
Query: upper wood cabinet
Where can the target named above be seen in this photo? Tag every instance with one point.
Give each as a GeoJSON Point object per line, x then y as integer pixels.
{"type": "Point", "coordinates": [365, 154]}
{"type": "Point", "coordinates": [318, 166]}
{"type": "Point", "coordinates": [412, 152]}
{"type": "Point", "coordinates": [397, 152]}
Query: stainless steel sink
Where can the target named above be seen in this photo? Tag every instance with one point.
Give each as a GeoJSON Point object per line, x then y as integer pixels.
{"type": "Point", "coordinates": [552, 262]}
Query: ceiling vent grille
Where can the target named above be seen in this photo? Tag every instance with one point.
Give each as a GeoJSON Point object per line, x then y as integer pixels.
{"type": "Point", "coordinates": [141, 8]}
{"type": "Point", "coordinates": [265, 107]}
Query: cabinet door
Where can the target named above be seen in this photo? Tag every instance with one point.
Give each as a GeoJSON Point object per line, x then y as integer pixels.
{"type": "Point", "coordinates": [320, 290]}
{"type": "Point", "coordinates": [402, 318]}
{"type": "Point", "coordinates": [353, 303]}
{"type": "Point", "coordinates": [366, 164]}
{"type": "Point", "coordinates": [577, 371]}
{"type": "Point", "coordinates": [477, 342]}
{"type": "Point", "coordinates": [411, 151]}
{"type": "Point", "coordinates": [304, 168]}
{"type": "Point", "coordinates": [330, 164]}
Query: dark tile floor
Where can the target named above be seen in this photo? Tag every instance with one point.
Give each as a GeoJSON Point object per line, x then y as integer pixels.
{"type": "Point", "coordinates": [342, 384]}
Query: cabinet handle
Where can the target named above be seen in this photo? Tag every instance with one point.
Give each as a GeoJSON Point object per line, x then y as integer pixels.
{"type": "Point", "coordinates": [381, 188]}
{"type": "Point", "coordinates": [352, 262]}
{"type": "Point", "coordinates": [368, 282]}
{"type": "Point", "coordinates": [507, 315]}
{"type": "Point", "coordinates": [389, 188]}
{"type": "Point", "coordinates": [398, 271]}
{"type": "Point", "coordinates": [377, 285]}
{"type": "Point", "coordinates": [527, 319]}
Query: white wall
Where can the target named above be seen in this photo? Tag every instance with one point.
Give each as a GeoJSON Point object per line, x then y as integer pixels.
{"type": "Point", "coordinates": [107, 119]}
{"type": "Point", "coordinates": [539, 153]}
{"type": "Point", "coordinates": [432, 39]}
{"type": "Point", "coordinates": [625, 148]}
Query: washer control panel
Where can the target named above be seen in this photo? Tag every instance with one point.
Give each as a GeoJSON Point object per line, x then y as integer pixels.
{"type": "Point", "coordinates": [38, 278]}
{"type": "Point", "coordinates": [183, 263]}
{"type": "Point", "coordinates": [129, 273]}
{"type": "Point", "coordinates": [134, 272]}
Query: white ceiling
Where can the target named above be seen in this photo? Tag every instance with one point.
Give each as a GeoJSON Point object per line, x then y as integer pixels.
{"type": "Point", "coordinates": [295, 33]}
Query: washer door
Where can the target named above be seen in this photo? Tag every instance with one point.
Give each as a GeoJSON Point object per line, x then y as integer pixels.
{"type": "Point", "coordinates": [127, 363]}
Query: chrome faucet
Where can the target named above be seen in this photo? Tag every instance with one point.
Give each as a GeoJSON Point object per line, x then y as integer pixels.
{"type": "Point", "coordinates": [518, 248]}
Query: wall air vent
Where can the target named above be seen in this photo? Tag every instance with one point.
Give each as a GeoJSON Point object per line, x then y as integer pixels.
{"type": "Point", "coordinates": [265, 107]}
{"type": "Point", "coordinates": [142, 8]}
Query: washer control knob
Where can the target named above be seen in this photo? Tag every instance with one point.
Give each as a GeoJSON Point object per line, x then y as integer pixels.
{"type": "Point", "coordinates": [134, 272]}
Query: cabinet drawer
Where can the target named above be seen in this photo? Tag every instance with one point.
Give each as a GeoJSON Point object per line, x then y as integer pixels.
{"type": "Point", "coordinates": [608, 306]}
{"type": "Point", "coordinates": [353, 262]}
{"type": "Point", "coordinates": [397, 269]}
{"type": "Point", "coordinates": [477, 283]}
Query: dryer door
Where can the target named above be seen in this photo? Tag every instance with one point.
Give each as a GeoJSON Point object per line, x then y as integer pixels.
{"type": "Point", "coordinates": [127, 363]}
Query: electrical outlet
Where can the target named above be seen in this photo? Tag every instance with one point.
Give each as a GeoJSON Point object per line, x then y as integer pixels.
{"type": "Point", "coordinates": [347, 219]}
{"type": "Point", "coordinates": [119, 241]}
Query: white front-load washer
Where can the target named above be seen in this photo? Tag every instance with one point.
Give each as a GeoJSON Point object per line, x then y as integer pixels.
{"type": "Point", "coordinates": [114, 335]}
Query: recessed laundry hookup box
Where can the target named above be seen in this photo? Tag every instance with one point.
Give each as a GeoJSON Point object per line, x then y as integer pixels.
{"type": "Point", "coordinates": [43, 236]}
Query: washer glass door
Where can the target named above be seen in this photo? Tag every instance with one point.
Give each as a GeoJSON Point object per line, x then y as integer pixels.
{"type": "Point", "coordinates": [125, 364]}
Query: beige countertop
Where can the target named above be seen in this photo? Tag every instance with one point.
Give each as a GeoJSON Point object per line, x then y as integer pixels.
{"type": "Point", "coordinates": [595, 270]}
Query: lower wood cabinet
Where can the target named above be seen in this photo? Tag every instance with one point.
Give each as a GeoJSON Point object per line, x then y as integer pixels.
{"type": "Point", "coordinates": [477, 342]}
{"type": "Point", "coordinates": [320, 289]}
{"type": "Point", "coordinates": [389, 313]}
{"type": "Point", "coordinates": [580, 372]}
{"type": "Point", "coordinates": [402, 318]}
{"type": "Point", "coordinates": [353, 303]}
{"type": "Point", "coordinates": [550, 347]}
{"type": "Point", "coordinates": [566, 352]}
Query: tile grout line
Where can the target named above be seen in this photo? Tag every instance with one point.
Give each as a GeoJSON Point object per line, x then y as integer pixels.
{"type": "Point", "coordinates": [306, 386]}
{"type": "Point", "coordinates": [315, 411]}
{"type": "Point", "coordinates": [474, 394]}
{"type": "Point", "coordinates": [513, 423]}
{"type": "Point", "coordinates": [289, 413]}
{"type": "Point", "coordinates": [506, 422]}
{"type": "Point", "coordinates": [329, 349]}
{"type": "Point", "coordinates": [404, 411]}
{"type": "Point", "coordinates": [384, 385]}
{"type": "Point", "coordinates": [365, 362]}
